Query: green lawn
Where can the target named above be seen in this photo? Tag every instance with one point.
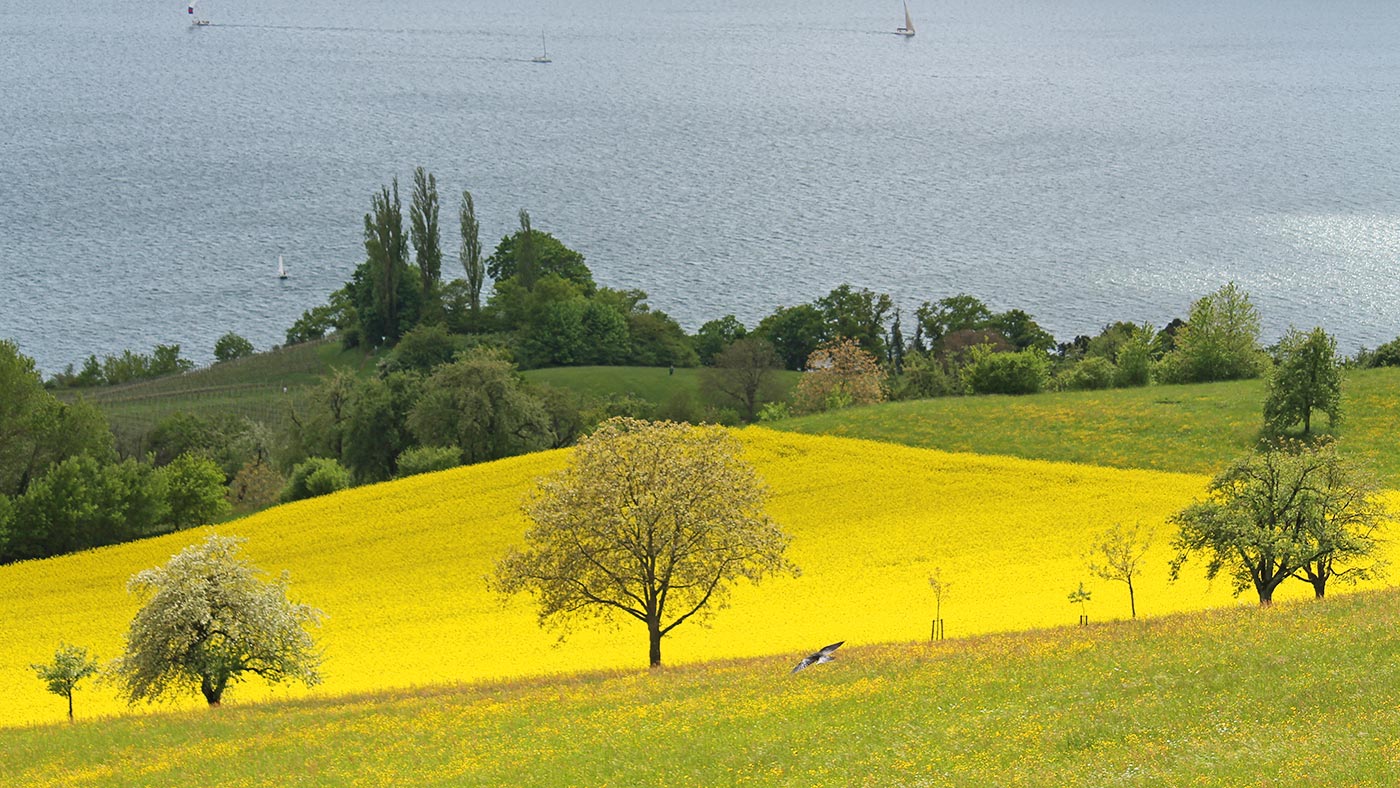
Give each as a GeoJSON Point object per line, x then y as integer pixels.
{"type": "Point", "coordinates": [1194, 428]}
{"type": "Point", "coordinates": [1302, 694]}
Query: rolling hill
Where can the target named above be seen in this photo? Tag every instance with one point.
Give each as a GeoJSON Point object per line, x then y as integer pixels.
{"type": "Point", "coordinates": [399, 569]}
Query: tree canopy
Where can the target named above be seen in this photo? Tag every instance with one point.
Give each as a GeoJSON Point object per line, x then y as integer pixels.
{"type": "Point", "coordinates": [652, 521]}
{"type": "Point", "coordinates": [1220, 340]}
{"type": "Point", "coordinates": [207, 620]}
{"type": "Point", "coordinates": [1285, 512]}
{"type": "Point", "coordinates": [1306, 378]}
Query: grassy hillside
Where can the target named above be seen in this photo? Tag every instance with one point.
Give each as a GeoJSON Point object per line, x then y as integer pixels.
{"type": "Point", "coordinates": [657, 385]}
{"type": "Point", "coordinates": [399, 568]}
{"type": "Point", "coordinates": [256, 387]}
{"type": "Point", "coordinates": [1191, 429]}
{"type": "Point", "coordinates": [1304, 694]}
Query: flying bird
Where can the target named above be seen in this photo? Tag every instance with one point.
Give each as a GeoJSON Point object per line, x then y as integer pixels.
{"type": "Point", "coordinates": [824, 655]}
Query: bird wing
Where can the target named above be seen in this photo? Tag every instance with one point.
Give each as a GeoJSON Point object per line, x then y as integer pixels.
{"type": "Point", "coordinates": [805, 662]}
{"type": "Point", "coordinates": [828, 649]}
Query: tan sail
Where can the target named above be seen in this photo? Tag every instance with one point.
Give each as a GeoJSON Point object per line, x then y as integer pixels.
{"type": "Point", "coordinates": [908, 29]}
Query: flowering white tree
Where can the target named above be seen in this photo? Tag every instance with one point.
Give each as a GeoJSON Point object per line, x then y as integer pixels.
{"type": "Point", "coordinates": [652, 521]}
{"type": "Point", "coordinates": [207, 620]}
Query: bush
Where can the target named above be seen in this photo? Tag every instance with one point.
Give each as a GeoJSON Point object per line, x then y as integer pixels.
{"type": "Point", "coordinates": [194, 490]}
{"type": "Point", "coordinates": [427, 459]}
{"type": "Point", "coordinates": [256, 485]}
{"type": "Point", "coordinates": [1135, 357]}
{"type": "Point", "coordinates": [989, 372]}
{"type": "Point", "coordinates": [231, 346]}
{"type": "Point", "coordinates": [1387, 355]}
{"type": "Point", "coordinates": [421, 349]}
{"type": "Point", "coordinates": [774, 411]}
{"type": "Point", "coordinates": [1091, 374]}
{"type": "Point", "coordinates": [316, 476]}
{"type": "Point", "coordinates": [923, 377]}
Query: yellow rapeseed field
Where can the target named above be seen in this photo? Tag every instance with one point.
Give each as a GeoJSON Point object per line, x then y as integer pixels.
{"type": "Point", "coordinates": [399, 569]}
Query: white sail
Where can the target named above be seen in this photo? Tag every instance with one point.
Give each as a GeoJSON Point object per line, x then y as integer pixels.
{"type": "Point", "coordinates": [281, 269]}
{"type": "Point", "coordinates": [544, 51]}
{"type": "Point", "coordinates": [908, 29]}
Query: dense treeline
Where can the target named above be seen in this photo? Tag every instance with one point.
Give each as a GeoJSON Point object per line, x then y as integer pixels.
{"type": "Point", "coordinates": [62, 487]}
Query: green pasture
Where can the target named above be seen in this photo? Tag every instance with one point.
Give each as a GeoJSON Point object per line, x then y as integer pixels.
{"type": "Point", "coordinates": [1300, 694]}
{"type": "Point", "coordinates": [1194, 428]}
{"type": "Point", "coordinates": [656, 385]}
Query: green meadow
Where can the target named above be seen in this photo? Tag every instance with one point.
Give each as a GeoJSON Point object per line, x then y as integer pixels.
{"type": "Point", "coordinates": [1302, 694]}
{"type": "Point", "coordinates": [1190, 428]}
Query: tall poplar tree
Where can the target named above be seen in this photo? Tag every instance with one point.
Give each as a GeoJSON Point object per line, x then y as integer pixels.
{"type": "Point", "coordinates": [386, 249]}
{"type": "Point", "coordinates": [423, 223]}
{"type": "Point", "coordinates": [526, 264]}
{"type": "Point", "coordinates": [471, 253]}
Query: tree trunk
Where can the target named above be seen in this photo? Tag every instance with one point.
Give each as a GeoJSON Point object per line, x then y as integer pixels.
{"type": "Point", "coordinates": [70, 706]}
{"type": "Point", "coordinates": [1132, 602]}
{"type": "Point", "coordinates": [1319, 585]}
{"type": "Point", "coordinates": [654, 631]}
{"type": "Point", "coordinates": [213, 693]}
{"type": "Point", "coordinates": [1266, 595]}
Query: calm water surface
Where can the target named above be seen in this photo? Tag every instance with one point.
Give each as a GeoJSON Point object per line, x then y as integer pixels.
{"type": "Point", "coordinates": [1086, 160]}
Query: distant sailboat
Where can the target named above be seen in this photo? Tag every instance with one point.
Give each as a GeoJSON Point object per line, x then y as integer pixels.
{"type": "Point", "coordinates": [543, 57]}
{"type": "Point", "coordinates": [281, 269]}
{"type": "Point", "coordinates": [195, 20]}
{"type": "Point", "coordinates": [908, 30]}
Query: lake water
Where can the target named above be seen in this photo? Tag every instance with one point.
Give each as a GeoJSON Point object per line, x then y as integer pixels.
{"type": "Point", "coordinates": [1085, 160]}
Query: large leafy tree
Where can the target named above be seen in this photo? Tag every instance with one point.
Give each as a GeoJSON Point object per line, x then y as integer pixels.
{"type": "Point", "coordinates": [1349, 517]}
{"type": "Point", "coordinates": [194, 491]}
{"type": "Point", "coordinates": [1021, 330]}
{"type": "Point", "coordinates": [1307, 378]}
{"type": "Point", "coordinates": [795, 332]}
{"type": "Point", "coordinates": [530, 254]}
{"type": "Point", "coordinates": [859, 315]}
{"type": "Point", "coordinates": [1277, 514]}
{"type": "Point", "coordinates": [208, 620]}
{"type": "Point", "coordinates": [961, 312]}
{"type": "Point", "coordinates": [36, 430]}
{"type": "Point", "coordinates": [716, 335]}
{"type": "Point", "coordinates": [376, 430]}
{"type": "Point", "coordinates": [744, 374]}
{"type": "Point", "coordinates": [81, 503]}
{"type": "Point", "coordinates": [650, 521]}
{"type": "Point", "coordinates": [1220, 340]}
{"type": "Point", "coordinates": [481, 405]}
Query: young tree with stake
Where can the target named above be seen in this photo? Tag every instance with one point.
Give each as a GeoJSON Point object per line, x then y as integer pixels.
{"type": "Point", "coordinates": [1115, 556]}
{"type": "Point", "coordinates": [71, 664]}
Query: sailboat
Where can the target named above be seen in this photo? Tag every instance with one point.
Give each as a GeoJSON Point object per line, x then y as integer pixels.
{"type": "Point", "coordinates": [195, 20]}
{"type": "Point", "coordinates": [908, 30]}
{"type": "Point", "coordinates": [543, 57]}
{"type": "Point", "coordinates": [281, 269]}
